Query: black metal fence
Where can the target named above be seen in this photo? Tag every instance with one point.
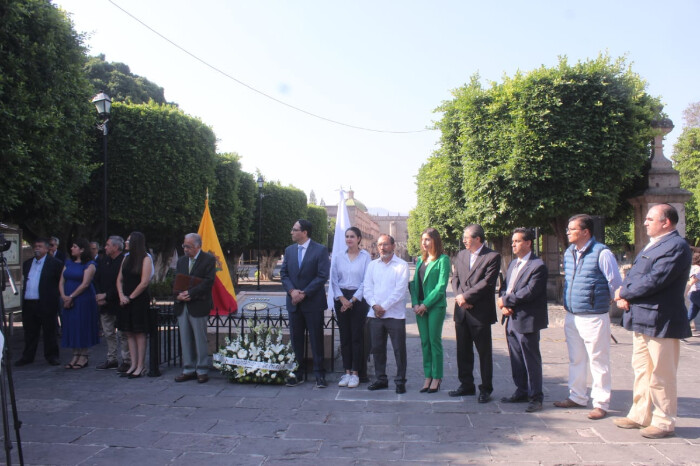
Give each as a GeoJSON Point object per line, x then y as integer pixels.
{"type": "Point", "coordinates": [165, 348]}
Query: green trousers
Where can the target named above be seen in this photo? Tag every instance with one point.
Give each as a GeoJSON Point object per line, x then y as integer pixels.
{"type": "Point", "coordinates": [430, 329]}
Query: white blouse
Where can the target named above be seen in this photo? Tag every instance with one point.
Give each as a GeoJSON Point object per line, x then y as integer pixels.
{"type": "Point", "coordinates": [349, 274]}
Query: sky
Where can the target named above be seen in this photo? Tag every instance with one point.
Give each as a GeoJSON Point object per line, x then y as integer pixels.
{"type": "Point", "coordinates": [384, 66]}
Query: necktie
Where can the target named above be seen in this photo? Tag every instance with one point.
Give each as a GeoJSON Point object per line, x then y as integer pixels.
{"type": "Point", "coordinates": [191, 264]}
{"type": "Point", "coordinates": [513, 276]}
{"type": "Point", "coordinates": [301, 252]}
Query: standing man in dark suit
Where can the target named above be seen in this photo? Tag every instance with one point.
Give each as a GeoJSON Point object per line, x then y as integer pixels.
{"type": "Point", "coordinates": [40, 303]}
{"type": "Point", "coordinates": [54, 251]}
{"type": "Point", "coordinates": [192, 307]}
{"type": "Point", "coordinates": [474, 284]}
{"type": "Point", "coordinates": [652, 296]}
{"type": "Point", "coordinates": [305, 271]}
{"type": "Point", "coordinates": [523, 302]}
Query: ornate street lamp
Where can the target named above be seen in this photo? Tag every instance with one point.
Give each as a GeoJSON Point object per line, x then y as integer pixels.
{"type": "Point", "coordinates": [260, 197]}
{"type": "Point", "coordinates": [103, 104]}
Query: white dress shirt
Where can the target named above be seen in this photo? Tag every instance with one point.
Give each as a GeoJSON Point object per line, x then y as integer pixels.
{"type": "Point", "coordinates": [32, 291]}
{"type": "Point", "coordinates": [386, 284]}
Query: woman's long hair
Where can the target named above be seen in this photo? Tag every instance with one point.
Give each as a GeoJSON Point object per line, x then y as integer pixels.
{"type": "Point", "coordinates": [137, 252]}
{"type": "Point", "coordinates": [437, 250]}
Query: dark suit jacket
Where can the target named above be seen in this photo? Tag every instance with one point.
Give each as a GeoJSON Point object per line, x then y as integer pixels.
{"type": "Point", "coordinates": [60, 256]}
{"type": "Point", "coordinates": [528, 298]}
{"type": "Point", "coordinates": [478, 286]}
{"type": "Point", "coordinates": [201, 301]}
{"type": "Point", "coordinates": [48, 282]}
{"type": "Point", "coordinates": [311, 278]}
{"type": "Point", "coordinates": [655, 288]}
{"type": "Point", "coordinates": [105, 281]}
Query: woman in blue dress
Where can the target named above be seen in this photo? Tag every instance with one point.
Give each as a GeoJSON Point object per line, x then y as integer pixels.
{"type": "Point", "coordinates": [80, 314]}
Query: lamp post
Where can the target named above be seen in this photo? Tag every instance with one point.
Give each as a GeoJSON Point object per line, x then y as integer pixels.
{"type": "Point", "coordinates": [260, 196]}
{"type": "Point", "coordinates": [103, 104]}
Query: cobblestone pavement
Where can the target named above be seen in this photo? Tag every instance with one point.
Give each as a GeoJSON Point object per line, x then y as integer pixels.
{"type": "Point", "coordinates": [91, 417]}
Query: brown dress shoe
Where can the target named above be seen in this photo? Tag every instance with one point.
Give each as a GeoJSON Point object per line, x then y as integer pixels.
{"type": "Point", "coordinates": [626, 423]}
{"type": "Point", "coordinates": [597, 413]}
{"type": "Point", "coordinates": [568, 403]}
{"type": "Point", "coordinates": [185, 377]}
{"type": "Point", "coordinates": [204, 378]}
{"type": "Point", "coordinates": [655, 432]}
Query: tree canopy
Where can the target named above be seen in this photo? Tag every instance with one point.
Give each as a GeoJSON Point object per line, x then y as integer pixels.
{"type": "Point", "coordinates": [686, 156]}
{"type": "Point", "coordinates": [117, 80]}
{"type": "Point", "coordinates": [160, 163]}
{"type": "Point", "coordinates": [539, 147]}
{"type": "Point", "coordinates": [233, 203]}
{"type": "Point", "coordinates": [45, 115]}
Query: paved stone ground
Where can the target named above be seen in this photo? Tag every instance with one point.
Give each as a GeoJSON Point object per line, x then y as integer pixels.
{"type": "Point", "coordinates": [91, 417]}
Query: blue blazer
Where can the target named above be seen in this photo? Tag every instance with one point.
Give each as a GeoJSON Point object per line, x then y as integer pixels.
{"type": "Point", "coordinates": [528, 298]}
{"type": "Point", "coordinates": [655, 289]}
{"type": "Point", "coordinates": [310, 278]}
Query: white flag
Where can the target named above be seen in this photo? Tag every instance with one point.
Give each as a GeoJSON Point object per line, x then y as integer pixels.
{"type": "Point", "coordinates": [342, 223]}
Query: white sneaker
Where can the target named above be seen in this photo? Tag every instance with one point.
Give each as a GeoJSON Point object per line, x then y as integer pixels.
{"type": "Point", "coordinates": [354, 381]}
{"type": "Point", "coordinates": [344, 380]}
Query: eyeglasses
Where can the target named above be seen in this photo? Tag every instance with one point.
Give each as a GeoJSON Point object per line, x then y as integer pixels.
{"type": "Point", "coordinates": [187, 246]}
{"type": "Point", "coordinates": [572, 229]}
{"type": "Point", "coordinates": [296, 229]}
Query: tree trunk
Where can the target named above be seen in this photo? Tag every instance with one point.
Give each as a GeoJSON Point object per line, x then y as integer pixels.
{"type": "Point", "coordinates": [268, 261]}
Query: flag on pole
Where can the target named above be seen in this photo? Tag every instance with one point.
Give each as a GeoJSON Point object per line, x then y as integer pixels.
{"type": "Point", "coordinates": [342, 223]}
{"type": "Point", "coordinates": [222, 292]}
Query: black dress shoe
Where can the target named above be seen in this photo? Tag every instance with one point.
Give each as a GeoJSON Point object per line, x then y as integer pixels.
{"type": "Point", "coordinates": [484, 397]}
{"type": "Point", "coordinates": [515, 399]}
{"type": "Point", "coordinates": [400, 388]}
{"type": "Point", "coordinates": [534, 406]}
{"type": "Point", "coordinates": [23, 362]}
{"type": "Point", "coordinates": [321, 382]}
{"type": "Point", "coordinates": [54, 362]}
{"type": "Point", "coordinates": [184, 377]}
{"type": "Point", "coordinates": [462, 391]}
{"type": "Point", "coordinates": [377, 385]}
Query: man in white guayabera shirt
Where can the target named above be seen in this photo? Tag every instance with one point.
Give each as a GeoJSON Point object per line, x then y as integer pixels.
{"type": "Point", "coordinates": [386, 283]}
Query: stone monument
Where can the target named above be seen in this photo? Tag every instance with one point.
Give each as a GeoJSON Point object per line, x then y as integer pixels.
{"type": "Point", "coordinates": [663, 186]}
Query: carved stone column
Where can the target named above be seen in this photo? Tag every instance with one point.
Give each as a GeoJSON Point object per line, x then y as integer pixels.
{"type": "Point", "coordinates": [663, 186]}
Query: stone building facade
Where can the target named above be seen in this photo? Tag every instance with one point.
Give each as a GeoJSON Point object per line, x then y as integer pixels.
{"type": "Point", "coordinates": [372, 226]}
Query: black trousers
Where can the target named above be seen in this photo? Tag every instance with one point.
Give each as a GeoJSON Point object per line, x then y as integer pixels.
{"type": "Point", "coordinates": [351, 326]}
{"type": "Point", "coordinates": [299, 321]}
{"type": "Point", "coordinates": [35, 322]}
{"type": "Point", "coordinates": [468, 337]}
{"type": "Point", "coordinates": [525, 362]}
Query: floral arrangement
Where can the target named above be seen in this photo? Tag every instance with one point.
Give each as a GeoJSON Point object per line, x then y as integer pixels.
{"type": "Point", "coordinates": [256, 357]}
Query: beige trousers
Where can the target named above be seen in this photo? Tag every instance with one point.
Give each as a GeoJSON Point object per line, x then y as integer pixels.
{"type": "Point", "coordinates": [655, 364]}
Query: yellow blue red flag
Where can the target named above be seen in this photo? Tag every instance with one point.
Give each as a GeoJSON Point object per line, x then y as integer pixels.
{"type": "Point", "coordinates": [222, 292]}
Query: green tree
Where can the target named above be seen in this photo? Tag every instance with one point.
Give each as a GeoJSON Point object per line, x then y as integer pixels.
{"type": "Point", "coordinates": [549, 143]}
{"type": "Point", "coordinates": [233, 208]}
{"type": "Point", "coordinates": [45, 115]}
{"type": "Point", "coordinates": [160, 164]}
{"type": "Point", "coordinates": [281, 207]}
{"type": "Point", "coordinates": [117, 80]}
{"type": "Point", "coordinates": [686, 157]}
{"type": "Point", "coordinates": [319, 219]}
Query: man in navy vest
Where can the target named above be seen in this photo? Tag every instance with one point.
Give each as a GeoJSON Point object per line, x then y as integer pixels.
{"type": "Point", "coordinates": [591, 278]}
{"type": "Point", "coordinates": [652, 297]}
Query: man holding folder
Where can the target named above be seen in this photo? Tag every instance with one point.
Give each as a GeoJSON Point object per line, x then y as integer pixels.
{"type": "Point", "coordinates": [196, 272]}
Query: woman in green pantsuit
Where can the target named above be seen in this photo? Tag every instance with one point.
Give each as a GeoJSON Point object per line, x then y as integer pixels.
{"type": "Point", "coordinates": [430, 304]}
